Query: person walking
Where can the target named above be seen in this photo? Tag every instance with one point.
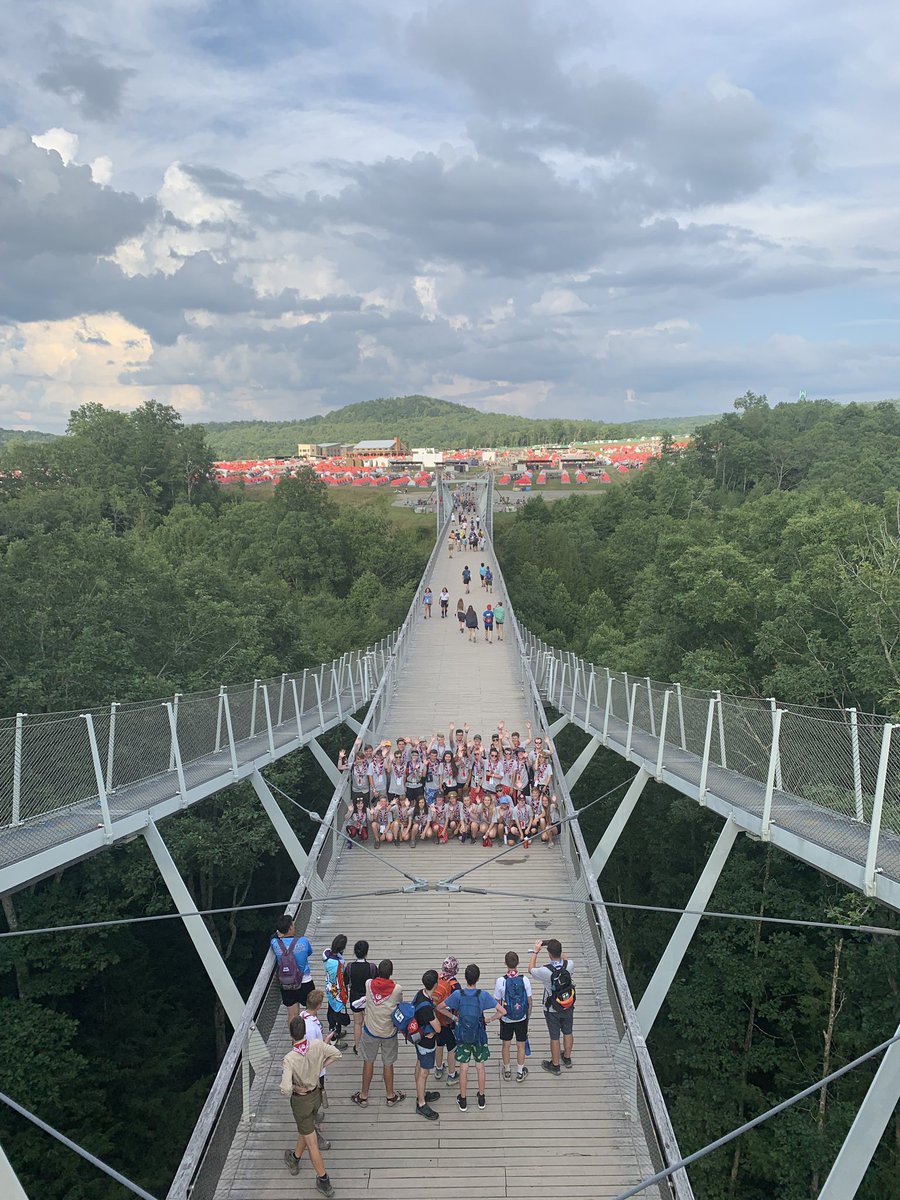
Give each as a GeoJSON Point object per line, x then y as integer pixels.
{"type": "Point", "coordinates": [461, 614]}
{"type": "Point", "coordinates": [559, 1002]}
{"type": "Point", "coordinates": [301, 1070]}
{"type": "Point", "coordinates": [488, 617]}
{"type": "Point", "coordinates": [379, 1035]}
{"type": "Point", "coordinates": [427, 601]}
{"type": "Point", "coordinates": [445, 602]}
{"type": "Point", "coordinates": [482, 570]}
{"type": "Point", "coordinates": [472, 1004]}
{"type": "Point", "coordinates": [472, 623]}
{"type": "Point", "coordinates": [489, 579]}
{"type": "Point", "coordinates": [467, 577]}
{"type": "Point", "coordinates": [499, 618]}
{"type": "Point", "coordinates": [514, 991]}
{"type": "Point", "coordinates": [292, 965]}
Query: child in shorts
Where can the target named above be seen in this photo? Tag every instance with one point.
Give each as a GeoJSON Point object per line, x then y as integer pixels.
{"type": "Point", "coordinates": [473, 1006]}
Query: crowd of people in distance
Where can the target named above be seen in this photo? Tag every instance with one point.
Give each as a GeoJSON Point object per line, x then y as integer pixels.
{"type": "Point", "coordinates": [434, 789]}
{"type": "Point", "coordinates": [444, 1017]}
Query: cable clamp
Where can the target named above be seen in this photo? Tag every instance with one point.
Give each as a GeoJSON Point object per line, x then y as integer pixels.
{"type": "Point", "coordinates": [447, 885]}
{"type": "Point", "coordinates": [417, 885]}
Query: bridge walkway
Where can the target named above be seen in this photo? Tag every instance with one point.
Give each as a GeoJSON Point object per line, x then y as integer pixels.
{"type": "Point", "coordinates": [546, 1137]}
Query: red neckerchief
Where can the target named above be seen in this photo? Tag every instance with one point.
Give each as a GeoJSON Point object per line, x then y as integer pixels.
{"type": "Point", "coordinates": [301, 1047]}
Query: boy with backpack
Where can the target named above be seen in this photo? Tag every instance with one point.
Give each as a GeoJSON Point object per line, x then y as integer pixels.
{"type": "Point", "coordinates": [471, 1004]}
{"type": "Point", "coordinates": [514, 991]}
{"type": "Point", "coordinates": [446, 1039]}
{"type": "Point", "coordinates": [292, 966]}
{"type": "Point", "coordinates": [424, 1015]}
{"type": "Point", "coordinates": [559, 1002]}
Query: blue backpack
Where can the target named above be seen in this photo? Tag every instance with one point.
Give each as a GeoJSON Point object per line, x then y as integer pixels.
{"type": "Point", "coordinates": [470, 1027]}
{"type": "Point", "coordinates": [515, 999]}
{"type": "Point", "coordinates": [404, 1020]}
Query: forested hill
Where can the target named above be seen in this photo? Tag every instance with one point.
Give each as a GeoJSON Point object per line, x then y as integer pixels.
{"type": "Point", "coordinates": [24, 435]}
{"type": "Point", "coordinates": [422, 421]}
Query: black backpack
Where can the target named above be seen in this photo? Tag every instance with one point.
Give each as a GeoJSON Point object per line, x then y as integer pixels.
{"type": "Point", "coordinates": [562, 989]}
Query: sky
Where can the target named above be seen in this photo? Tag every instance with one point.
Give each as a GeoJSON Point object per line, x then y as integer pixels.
{"type": "Point", "coordinates": [252, 210]}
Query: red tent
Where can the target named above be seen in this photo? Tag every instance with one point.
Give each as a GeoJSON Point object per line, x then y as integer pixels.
{"type": "Point", "coordinates": [504, 479]}
{"type": "Point", "coordinates": [401, 481]}
{"type": "Point", "coordinates": [580, 477]}
{"type": "Point", "coordinates": [564, 477]}
{"type": "Point", "coordinates": [523, 481]}
{"type": "Point", "coordinates": [604, 477]}
{"type": "Point", "coordinates": [360, 482]}
{"type": "Point", "coordinates": [542, 478]}
{"type": "Point", "coordinates": [622, 468]}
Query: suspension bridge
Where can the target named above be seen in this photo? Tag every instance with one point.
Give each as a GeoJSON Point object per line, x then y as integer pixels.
{"type": "Point", "coordinates": [821, 784]}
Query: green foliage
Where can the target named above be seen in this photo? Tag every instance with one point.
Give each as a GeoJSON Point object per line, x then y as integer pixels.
{"type": "Point", "coordinates": [422, 421]}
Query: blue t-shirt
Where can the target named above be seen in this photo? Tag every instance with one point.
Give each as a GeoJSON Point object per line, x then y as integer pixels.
{"type": "Point", "coordinates": [302, 949]}
{"type": "Point", "coordinates": [488, 617]}
{"type": "Point", "coordinates": [485, 1002]}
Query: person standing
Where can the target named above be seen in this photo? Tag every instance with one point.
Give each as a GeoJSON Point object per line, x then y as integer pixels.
{"type": "Point", "coordinates": [514, 990]}
{"type": "Point", "coordinates": [292, 965]}
{"type": "Point", "coordinates": [379, 1035]}
{"type": "Point", "coordinates": [446, 1039]}
{"type": "Point", "coordinates": [301, 1070]}
{"type": "Point", "coordinates": [358, 973]}
{"type": "Point", "coordinates": [472, 1006]}
{"type": "Point", "coordinates": [499, 618]}
{"type": "Point", "coordinates": [424, 1010]}
{"type": "Point", "coordinates": [336, 989]}
{"type": "Point", "coordinates": [559, 1002]}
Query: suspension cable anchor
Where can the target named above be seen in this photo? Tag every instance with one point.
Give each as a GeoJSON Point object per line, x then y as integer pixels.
{"type": "Point", "coordinates": [417, 885]}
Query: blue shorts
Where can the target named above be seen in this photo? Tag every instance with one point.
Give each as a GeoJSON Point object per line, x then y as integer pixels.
{"type": "Point", "coordinates": [425, 1058]}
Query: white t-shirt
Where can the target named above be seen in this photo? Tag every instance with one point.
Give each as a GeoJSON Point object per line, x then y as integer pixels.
{"type": "Point", "coordinates": [313, 1031]}
{"type": "Point", "coordinates": [500, 994]}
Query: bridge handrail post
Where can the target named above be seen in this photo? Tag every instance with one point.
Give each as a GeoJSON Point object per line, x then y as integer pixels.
{"type": "Point", "coordinates": [297, 709]}
{"type": "Point", "coordinates": [337, 690]}
{"type": "Point", "coordinates": [722, 758]}
{"type": "Point", "coordinates": [592, 681]}
{"type": "Point", "coordinates": [317, 682]}
{"type": "Point", "coordinates": [111, 745]}
{"type": "Point", "coordinates": [281, 698]}
{"type": "Point", "coordinates": [256, 683]}
{"type": "Point", "coordinates": [857, 767]}
{"type": "Point", "coordinates": [662, 735]}
{"type": "Point", "coordinates": [219, 714]}
{"type": "Point", "coordinates": [871, 868]}
{"type": "Point", "coordinates": [229, 729]}
{"type": "Point", "coordinates": [650, 706]}
{"type": "Point", "coordinates": [352, 684]}
{"type": "Point", "coordinates": [773, 704]}
{"type": "Point", "coordinates": [707, 747]}
{"type": "Point", "coordinates": [176, 699]}
{"type": "Point", "coordinates": [681, 716]}
{"type": "Point", "coordinates": [98, 774]}
{"type": "Point", "coordinates": [631, 704]}
{"type": "Point", "coordinates": [17, 770]}
{"type": "Point", "coordinates": [606, 710]}
{"type": "Point", "coordinates": [268, 711]}
{"type": "Point", "coordinates": [303, 690]}
{"type": "Point", "coordinates": [176, 751]}
{"type": "Point", "coordinates": [774, 753]}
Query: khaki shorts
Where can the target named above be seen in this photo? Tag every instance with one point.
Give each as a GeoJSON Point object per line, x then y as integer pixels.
{"type": "Point", "coordinates": [369, 1046]}
{"type": "Point", "coordinates": [305, 1109]}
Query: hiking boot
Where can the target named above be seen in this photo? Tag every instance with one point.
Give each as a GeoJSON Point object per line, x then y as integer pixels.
{"type": "Point", "coordinates": [324, 1143]}
{"type": "Point", "coordinates": [507, 1073]}
{"type": "Point", "coordinates": [566, 1062]}
{"type": "Point", "coordinates": [323, 1185]}
{"type": "Point", "coordinates": [430, 1097]}
{"type": "Point", "coordinates": [481, 1098]}
{"type": "Point", "coordinates": [551, 1067]}
{"type": "Point", "coordinates": [426, 1111]}
{"type": "Point", "coordinates": [452, 1078]}
{"type": "Point", "coordinates": [293, 1164]}
{"type": "Point", "coordinates": [520, 1074]}
{"type": "Point", "coordinates": [462, 1103]}
{"type": "Point", "coordinates": [439, 1072]}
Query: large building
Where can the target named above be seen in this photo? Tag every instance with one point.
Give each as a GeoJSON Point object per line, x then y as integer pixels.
{"type": "Point", "coordinates": [376, 452]}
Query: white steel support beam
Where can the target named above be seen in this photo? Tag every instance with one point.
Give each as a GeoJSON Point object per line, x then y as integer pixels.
{"type": "Point", "coordinates": [10, 1188]}
{"type": "Point", "coordinates": [325, 762]}
{"type": "Point", "coordinates": [581, 763]}
{"type": "Point", "coordinates": [558, 725]}
{"type": "Point", "coordinates": [865, 1133]}
{"type": "Point", "coordinates": [354, 724]}
{"type": "Point", "coordinates": [213, 963]}
{"type": "Point", "coordinates": [282, 825]}
{"type": "Point", "coordinates": [617, 822]}
{"type": "Point", "coordinates": [673, 955]}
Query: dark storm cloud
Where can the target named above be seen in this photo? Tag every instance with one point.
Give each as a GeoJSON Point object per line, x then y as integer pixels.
{"type": "Point", "coordinates": [77, 73]}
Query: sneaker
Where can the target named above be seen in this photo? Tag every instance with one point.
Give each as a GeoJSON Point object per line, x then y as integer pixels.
{"type": "Point", "coordinates": [527, 843]}
{"type": "Point", "coordinates": [430, 1097]}
{"type": "Point", "coordinates": [462, 1103]}
{"type": "Point", "coordinates": [439, 1072]}
{"type": "Point", "coordinates": [323, 1185]}
{"type": "Point", "coordinates": [324, 1143]}
{"type": "Point", "coordinates": [481, 1098]}
{"type": "Point", "coordinates": [462, 839]}
{"type": "Point", "coordinates": [566, 1062]}
{"type": "Point", "coordinates": [452, 1078]}
{"type": "Point", "coordinates": [426, 1111]}
{"type": "Point", "coordinates": [520, 1075]}
{"type": "Point", "coordinates": [293, 1164]}
{"type": "Point", "coordinates": [551, 1067]}
{"type": "Point", "coordinates": [507, 1073]}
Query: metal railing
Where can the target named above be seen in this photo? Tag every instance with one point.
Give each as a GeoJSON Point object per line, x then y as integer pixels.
{"type": "Point", "coordinates": [841, 767]}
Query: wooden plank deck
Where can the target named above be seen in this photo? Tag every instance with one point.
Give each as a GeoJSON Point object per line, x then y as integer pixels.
{"type": "Point", "coordinates": [547, 1136]}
